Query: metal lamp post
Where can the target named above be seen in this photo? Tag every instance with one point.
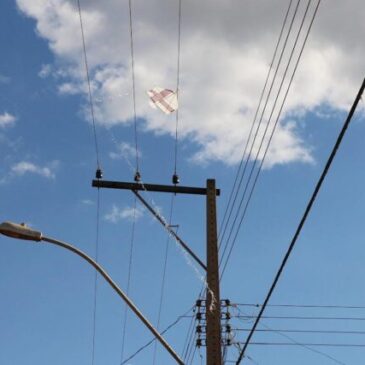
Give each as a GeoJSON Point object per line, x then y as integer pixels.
{"type": "Point", "coordinates": [21, 231]}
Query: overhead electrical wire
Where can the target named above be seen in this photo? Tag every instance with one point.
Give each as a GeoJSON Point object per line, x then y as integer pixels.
{"type": "Point", "coordinates": [306, 344]}
{"type": "Point", "coordinates": [175, 176]}
{"type": "Point", "coordinates": [130, 262]}
{"type": "Point", "coordinates": [330, 332]}
{"type": "Point", "coordinates": [91, 101]}
{"type": "Point", "coordinates": [275, 124]}
{"type": "Point", "coordinates": [162, 292]}
{"type": "Point", "coordinates": [98, 175]}
{"type": "Point", "coordinates": [238, 173]}
{"type": "Point", "coordinates": [249, 155]}
{"type": "Point", "coordinates": [185, 315]}
{"type": "Point", "coordinates": [96, 275]}
{"type": "Point", "coordinates": [188, 338]}
{"type": "Point", "coordinates": [325, 306]}
{"type": "Point", "coordinates": [305, 215]}
{"type": "Point", "coordinates": [137, 173]}
{"type": "Point", "coordinates": [245, 188]}
{"type": "Point", "coordinates": [305, 318]}
{"type": "Point", "coordinates": [306, 347]}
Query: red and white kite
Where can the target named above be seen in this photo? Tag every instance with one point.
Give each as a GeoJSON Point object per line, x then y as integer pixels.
{"type": "Point", "coordinates": [164, 99]}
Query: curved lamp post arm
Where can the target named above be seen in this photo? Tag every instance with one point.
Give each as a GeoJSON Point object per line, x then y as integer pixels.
{"type": "Point", "coordinates": [24, 232]}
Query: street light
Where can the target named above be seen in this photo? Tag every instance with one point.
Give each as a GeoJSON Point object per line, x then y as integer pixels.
{"type": "Point", "coordinates": [21, 231]}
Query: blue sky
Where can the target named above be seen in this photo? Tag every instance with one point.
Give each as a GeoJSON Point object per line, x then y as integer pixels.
{"type": "Point", "coordinates": [48, 161]}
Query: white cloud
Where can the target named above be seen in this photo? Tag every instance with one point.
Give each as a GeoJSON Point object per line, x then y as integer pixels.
{"type": "Point", "coordinates": [7, 120]}
{"type": "Point", "coordinates": [45, 71]}
{"type": "Point", "coordinates": [226, 47]}
{"type": "Point", "coordinates": [25, 167]}
{"type": "Point", "coordinates": [127, 213]}
{"type": "Point", "coordinates": [124, 151]}
{"type": "Point", "coordinates": [69, 88]}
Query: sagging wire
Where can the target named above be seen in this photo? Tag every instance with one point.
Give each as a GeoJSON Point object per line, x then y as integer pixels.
{"type": "Point", "coordinates": [280, 333]}
{"type": "Point", "coordinates": [185, 315]}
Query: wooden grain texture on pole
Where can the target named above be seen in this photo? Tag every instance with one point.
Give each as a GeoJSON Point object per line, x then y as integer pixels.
{"type": "Point", "coordinates": [213, 310]}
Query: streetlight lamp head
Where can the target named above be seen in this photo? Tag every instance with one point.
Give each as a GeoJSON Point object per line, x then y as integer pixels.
{"type": "Point", "coordinates": [20, 231]}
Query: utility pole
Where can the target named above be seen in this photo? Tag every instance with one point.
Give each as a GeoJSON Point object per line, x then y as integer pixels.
{"type": "Point", "coordinates": [213, 309]}
{"type": "Point", "coordinates": [213, 305]}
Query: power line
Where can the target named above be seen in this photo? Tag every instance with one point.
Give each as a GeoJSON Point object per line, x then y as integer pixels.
{"type": "Point", "coordinates": [131, 246]}
{"type": "Point", "coordinates": [137, 175]}
{"type": "Point", "coordinates": [91, 102]}
{"type": "Point", "coordinates": [221, 235]}
{"type": "Point", "coordinates": [185, 315]}
{"type": "Point", "coordinates": [177, 90]}
{"type": "Point", "coordinates": [246, 186]}
{"type": "Point", "coordinates": [301, 306]}
{"type": "Point", "coordinates": [91, 105]}
{"type": "Point", "coordinates": [331, 332]}
{"type": "Point", "coordinates": [308, 348]}
{"type": "Point", "coordinates": [306, 213]}
{"type": "Point", "coordinates": [96, 275]}
{"type": "Point", "coordinates": [305, 318]}
{"type": "Point", "coordinates": [305, 344]}
{"type": "Point", "coordinates": [163, 277]}
{"type": "Point", "coordinates": [273, 130]}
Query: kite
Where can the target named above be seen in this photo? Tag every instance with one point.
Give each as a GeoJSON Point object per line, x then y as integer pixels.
{"type": "Point", "coordinates": [164, 99]}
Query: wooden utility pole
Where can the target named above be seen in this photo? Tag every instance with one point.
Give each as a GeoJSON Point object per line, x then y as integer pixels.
{"type": "Point", "coordinates": [213, 309]}
{"type": "Point", "coordinates": [213, 305]}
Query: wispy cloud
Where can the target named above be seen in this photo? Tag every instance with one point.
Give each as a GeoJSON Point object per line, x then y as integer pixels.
{"type": "Point", "coordinates": [124, 150]}
{"type": "Point", "coordinates": [7, 120]}
{"type": "Point", "coordinates": [87, 202]}
{"type": "Point", "coordinates": [127, 213]}
{"type": "Point", "coordinates": [25, 167]}
{"type": "Point", "coordinates": [45, 71]}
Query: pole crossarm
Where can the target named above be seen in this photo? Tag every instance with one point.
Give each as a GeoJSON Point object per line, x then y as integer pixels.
{"type": "Point", "coordinates": [151, 187]}
{"type": "Point", "coordinates": [171, 231]}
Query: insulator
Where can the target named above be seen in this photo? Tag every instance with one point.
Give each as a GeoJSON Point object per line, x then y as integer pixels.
{"type": "Point", "coordinates": [228, 302]}
{"type": "Point", "coordinates": [229, 342]}
{"type": "Point", "coordinates": [199, 316]}
{"type": "Point", "coordinates": [226, 315]}
{"type": "Point", "coordinates": [99, 174]}
{"type": "Point", "coordinates": [198, 329]}
{"type": "Point", "coordinates": [175, 179]}
{"type": "Point", "coordinates": [228, 328]}
{"type": "Point", "coordinates": [199, 342]}
{"type": "Point", "coordinates": [137, 177]}
{"type": "Point", "coordinates": [199, 303]}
